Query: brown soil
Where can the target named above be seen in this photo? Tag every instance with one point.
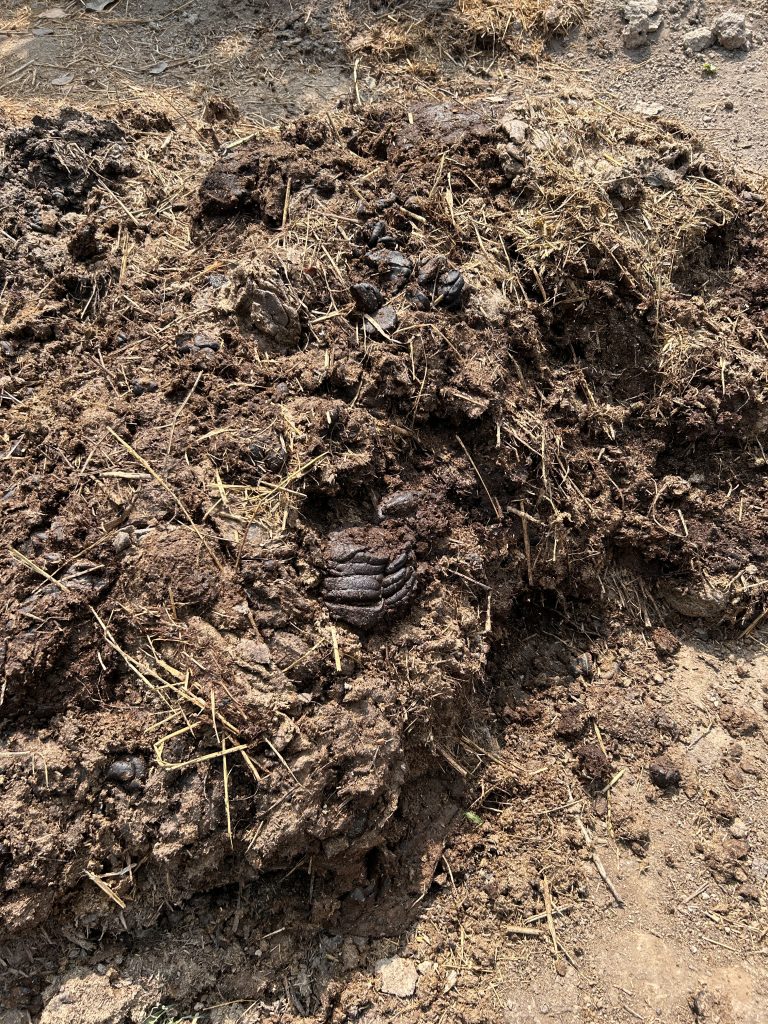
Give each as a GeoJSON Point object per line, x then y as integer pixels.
{"type": "Point", "coordinates": [383, 494]}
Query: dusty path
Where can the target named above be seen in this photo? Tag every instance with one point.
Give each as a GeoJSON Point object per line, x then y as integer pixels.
{"type": "Point", "coordinates": [271, 60]}
{"type": "Point", "coordinates": [721, 94]}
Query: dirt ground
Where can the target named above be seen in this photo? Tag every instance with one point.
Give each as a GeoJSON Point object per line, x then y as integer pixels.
{"type": "Point", "coordinates": [383, 403]}
{"type": "Point", "coordinates": [276, 62]}
{"type": "Point", "coordinates": [719, 93]}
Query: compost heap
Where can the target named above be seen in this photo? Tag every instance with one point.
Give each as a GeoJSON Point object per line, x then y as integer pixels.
{"type": "Point", "coordinates": [297, 437]}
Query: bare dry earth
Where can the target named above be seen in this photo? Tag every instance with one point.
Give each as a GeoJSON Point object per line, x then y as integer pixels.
{"type": "Point", "coordinates": [726, 101]}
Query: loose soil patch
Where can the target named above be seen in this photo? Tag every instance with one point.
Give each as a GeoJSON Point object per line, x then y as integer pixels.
{"type": "Point", "coordinates": [307, 447]}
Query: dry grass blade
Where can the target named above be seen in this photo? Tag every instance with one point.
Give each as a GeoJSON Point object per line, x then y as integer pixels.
{"type": "Point", "coordinates": [200, 759]}
{"type": "Point", "coordinates": [106, 888]}
{"type": "Point", "coordinates": [493, 502]}
{"type": "Point", "coordinates": [225, 775]}
{"type": "Point", "coordinates": [550, 920]}
{"type": "Point", "coordinates": [34, 567]}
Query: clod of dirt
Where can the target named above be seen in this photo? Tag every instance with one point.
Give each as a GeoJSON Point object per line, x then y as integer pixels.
{"type": "Point", "coordinates": [666, 643]}
{"type": "Point", "coordinates": [642, 17]}
{"type": "Point", "coordinates": [371, 575]}
{"type": "Point", "coordinates": [394, 267]}
{"type": "Point", "coordinates": [83, 244]}
{"type": "Point", "coordinates": [727, 860]}
{"type": "Point", "coordinates": [698, 39]}
{"type": "Point", "coordinates": [625, 190]}
{"type": "Point", "coordinates": [401, 505]}
{"type": "Point", "coordinates": [701, 1005]}
{"type": "Point", "coordinates": [383, 323]}
{"type": "Point", "coordinates": [704, 601]}
{"type": "Point", "coordinates": [261, 302]}
{"type": "Point", "coordinates": [730, 31]}
{"type": "Point", "coordinates": [664, 773]}
{"type": "Point", "coordinates": [397, 976]}
{"type": "Point", "coordinates": [515, 129]}
{"type": "Point", "coordinates": [571, 723]}
{"type": "Point", "coordinates": [367, 297]}
{"type": "Point", "coordinates": [92, 998]}
{"type": "Point", "coordinates": [739, 720]}
{"type": "Point", "coordinates": [593, 763]}
{"type": "Point", "coordinates": [220, 108]}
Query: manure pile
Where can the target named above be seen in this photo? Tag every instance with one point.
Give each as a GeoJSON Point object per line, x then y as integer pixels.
{"type": "Point", "coordinates": [297, 439]}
